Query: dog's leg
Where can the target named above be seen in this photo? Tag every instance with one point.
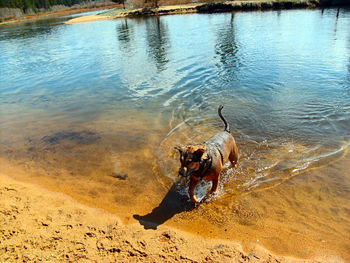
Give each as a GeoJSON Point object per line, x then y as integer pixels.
{"type": "Point", "coordinates": [233, 157]}
{"type": "Point", "coordinates": [215, 185]}
{"type": "Point", "coordinates": [193, 184]}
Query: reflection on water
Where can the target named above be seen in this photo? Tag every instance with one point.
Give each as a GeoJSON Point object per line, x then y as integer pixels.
{"type": "Point", "coordinates": [28, 30]}
{"type": "Point", "coordinates": [158, 42]}
{"type": "Point", "coordinates": [94, 110]}
{"type": "Point", "coordinates": [227, 48]}
{"type": "Point", "coordinates": [125, 34]}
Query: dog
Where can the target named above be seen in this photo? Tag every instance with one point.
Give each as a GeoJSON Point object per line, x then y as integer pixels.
{"type": "Point", "coordinates": [205, 161]}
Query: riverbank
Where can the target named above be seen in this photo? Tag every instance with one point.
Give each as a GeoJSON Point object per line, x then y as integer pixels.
{"type": "Point", "coordinates": [64, 12]}
{"type": "Point", "coordinates": [117, 12]}
{"type": "Point", "coordinates": [203, 8]}
{"type": "Point", "coordinates": [39, 225]}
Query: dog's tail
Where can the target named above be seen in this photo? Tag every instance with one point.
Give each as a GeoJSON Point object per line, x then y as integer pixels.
{"type": "Point", "coordinates": [227, 126]}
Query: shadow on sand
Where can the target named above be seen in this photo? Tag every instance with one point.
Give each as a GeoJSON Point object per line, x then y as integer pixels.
{"type": "Point", "coordinates": [173, 203]}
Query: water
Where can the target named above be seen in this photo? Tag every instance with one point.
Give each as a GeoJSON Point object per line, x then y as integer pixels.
{"type": "Point", "coordinates": [94, 110]}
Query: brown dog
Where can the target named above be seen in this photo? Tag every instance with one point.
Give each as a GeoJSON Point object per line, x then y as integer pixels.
{"type": "Point", "coordinates": [205, 161]}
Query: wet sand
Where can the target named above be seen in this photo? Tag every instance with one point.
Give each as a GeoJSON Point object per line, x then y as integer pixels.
{"type": "Point", "coordinates": [305, 216]}
{"type": "Point", "coordinates": [39, 225]}
{"type": "Point", "coordinates": [301, 214]}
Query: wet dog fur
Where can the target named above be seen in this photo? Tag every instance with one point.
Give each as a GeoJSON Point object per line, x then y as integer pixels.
{"type": "Point", "coordinates": [205, 161]}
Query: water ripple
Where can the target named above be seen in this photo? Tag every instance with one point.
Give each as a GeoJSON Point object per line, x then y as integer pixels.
{"type": "Point", "coordinates": [283, 78]}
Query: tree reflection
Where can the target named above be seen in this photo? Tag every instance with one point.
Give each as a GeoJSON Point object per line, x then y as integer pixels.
{"type": "Point", "coordinates": [125, 35]}
{"type": "Point", "coordinates": [39, 28]}
{"type": "Point", "coordinates": [226, 48]}
{"type": "Point", "coordinates": [158, 42]}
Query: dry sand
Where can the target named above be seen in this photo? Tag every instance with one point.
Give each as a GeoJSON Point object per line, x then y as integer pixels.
{"type": "Point", "coordinates": [39, 225]}
{"type": "Point", "coordinates": [89, 18]}
{"type": "Point", "coordinates": [174, 9]}
{"type": "Point", "coordinates": [200, 8]}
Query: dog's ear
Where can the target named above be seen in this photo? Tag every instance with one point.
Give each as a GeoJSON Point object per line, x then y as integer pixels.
{"type": "Point", "coordinates": [179, 148]}
{"type": "Point", "coordinates": [200, 150]}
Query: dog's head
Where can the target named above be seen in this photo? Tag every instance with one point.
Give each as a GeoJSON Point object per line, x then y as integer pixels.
{"type": "Point", "coordinates": [191, 157]}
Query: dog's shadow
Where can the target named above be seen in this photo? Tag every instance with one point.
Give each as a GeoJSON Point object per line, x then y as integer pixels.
{"type": "Point", "coordinates": [173, 203]}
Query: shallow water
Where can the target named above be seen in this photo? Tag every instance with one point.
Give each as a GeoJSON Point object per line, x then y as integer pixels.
{"type": "Point", "coordinates": [95, 109]}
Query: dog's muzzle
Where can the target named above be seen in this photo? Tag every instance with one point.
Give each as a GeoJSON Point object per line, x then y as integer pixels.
{"type": "Point", "coordinates": [183, 172]}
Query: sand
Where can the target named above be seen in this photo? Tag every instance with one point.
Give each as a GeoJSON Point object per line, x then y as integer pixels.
{"type": "Point", "coordinates": [119, 13]}
{"type": "Point", "coordinates": [39, 225]}
{"type": "Point", "coordinates": [89, 18]}
{"type": "Point", "coordinates": [199, 8]}
{"type": "Point", "coordinates": [303, 215]}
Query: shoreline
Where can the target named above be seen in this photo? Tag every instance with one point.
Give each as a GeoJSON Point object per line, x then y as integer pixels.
{"type": "Point", "coordinates": [38, 224]}
{"type": "Point", "coordinates": [42, 223]}
{"type": "Point", "coordinates": [219, 7]}
{"type": "Point", "coordinates": [51, 14]}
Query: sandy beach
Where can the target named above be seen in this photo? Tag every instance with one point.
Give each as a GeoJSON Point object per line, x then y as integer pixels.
{"type": "Point", "coordinates": [39, 225]}
{"type": "Point", "coordinates": [302, 216]}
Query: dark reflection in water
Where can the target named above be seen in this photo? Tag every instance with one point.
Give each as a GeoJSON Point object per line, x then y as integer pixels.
{"type": "Point", "coordinates": [227, 49]}
{"type": "Point", "coordinates": [158, 41]}
{"type": "Point", "coordinates": [27, 30]}
{"type": "Point", "coordinates": [125, 35]}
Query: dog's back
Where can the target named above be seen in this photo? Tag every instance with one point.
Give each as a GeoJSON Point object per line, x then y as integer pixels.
{"type": "Point", "coordinates": [225, 142]}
